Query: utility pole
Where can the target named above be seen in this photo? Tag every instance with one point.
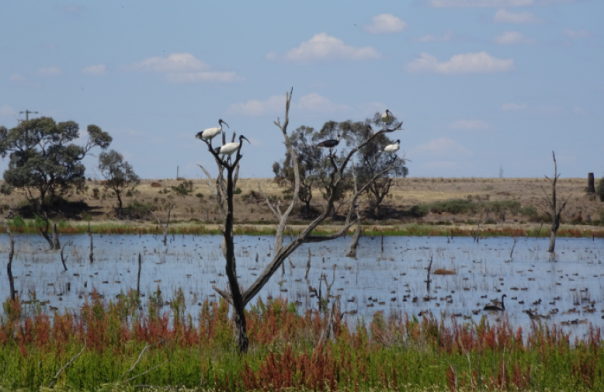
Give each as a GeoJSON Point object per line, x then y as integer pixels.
{"type": "Point", "coordinates": [27, 112]}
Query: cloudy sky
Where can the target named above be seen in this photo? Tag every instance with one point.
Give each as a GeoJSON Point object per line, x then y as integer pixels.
{"type": "Point", "coordinates": [481, 85]}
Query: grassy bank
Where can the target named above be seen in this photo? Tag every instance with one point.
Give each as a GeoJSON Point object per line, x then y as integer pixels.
{"type": "Point", "coordinates": [195, 228]}
{"type": "Point", "coordinates": [398, 353]}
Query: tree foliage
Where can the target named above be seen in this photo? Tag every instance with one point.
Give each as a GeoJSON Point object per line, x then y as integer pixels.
{"type": "Point", "coordinates": [43, 161]}
{"type": "Point", "coordinates": [309, 161]}
{"type": "Point", "coordinates": [118, 175]}
{"type": "Point", "coordinates": [371, 159]}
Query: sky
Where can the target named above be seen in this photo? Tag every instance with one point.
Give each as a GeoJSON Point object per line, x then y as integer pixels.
{"type": "Point", "coordinates": [484, 87]}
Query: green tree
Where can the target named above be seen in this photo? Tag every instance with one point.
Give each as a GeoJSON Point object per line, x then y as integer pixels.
{"type": "Point", "coordinates": [309, 163]}
{"type": "Point", "coordinates": [43, 161]}
{"type": "Point", "coordinates": [118, 175]}
{"type": "Point", "coordinates": [371, 160]}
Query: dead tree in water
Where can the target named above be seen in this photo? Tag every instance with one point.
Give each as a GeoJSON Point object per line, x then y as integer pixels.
{"type": "Point", "coordinates": [239, 297]}
{"type": "Point", "coordinates": [165, 228]}
{"type": "Point", "coordinates": [354, 243]}
{"type": "Point", "coordinates": [9, 266]}
{"type": "Point", "coordinates": [554, 212]}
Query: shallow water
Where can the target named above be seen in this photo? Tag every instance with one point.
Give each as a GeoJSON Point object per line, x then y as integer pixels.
{"type": "Point", "coordinates": [567, 290]}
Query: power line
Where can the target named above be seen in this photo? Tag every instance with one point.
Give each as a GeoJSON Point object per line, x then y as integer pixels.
{"type": "Point", "coordinates": [27, 112]}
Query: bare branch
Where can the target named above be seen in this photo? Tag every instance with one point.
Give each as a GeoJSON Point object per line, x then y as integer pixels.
{"type": "Point", "coordinates": [148, 371]}
{"type": "Point", "coordinates": [54, 379]}
{"type": "Point", "coordinates": [140, 356]}
{"type": "Point", "coordinates": [209, 180]}
{"type": "Point", "coordinates": [276, 211]}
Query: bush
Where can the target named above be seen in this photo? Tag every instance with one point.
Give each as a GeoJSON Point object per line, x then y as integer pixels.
{"type": "Point", "coordinates": [600, 189]}
{"type": "Point", "coordinates": [18, 222]}
{"type": "Point", "coordinates": [138, 210]}
{"type": "Point", "coordinates": [419, 211]}
{"type": "Point", "coordinates": [457, 206]}
{"type": "Point", "coordinates": [237, 191]}
{"type": "Point", "coordinates": [95, 193]}
{"type": "Point", "coordinates": [184, 188]}
{"type": "Point", "coordinates": [529, 211]}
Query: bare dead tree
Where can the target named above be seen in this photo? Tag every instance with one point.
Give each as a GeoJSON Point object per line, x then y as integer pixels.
{"type": "Point", "coordinates": [9, 265]}
{"type": "Point", "coordinates": [165, 227]}
{"type": "Point", "coordinates": [63, 257]}
{"type": "Point", "coordinates": [554, 212]}
{"type": "Point", "coordinates": [91, 255]}
{"type": "Point", "coordinates": [354, 244]}
{"type": "Point", "coordinates": [55, 236]}
{"type": "Point", "coordinates": [239, 298]}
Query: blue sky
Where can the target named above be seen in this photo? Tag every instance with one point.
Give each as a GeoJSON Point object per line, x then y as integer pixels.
{"type": "Point", "coordinates": [480, 84]}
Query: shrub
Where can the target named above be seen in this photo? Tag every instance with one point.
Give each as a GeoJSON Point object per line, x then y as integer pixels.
{"type": "Point", "coordinates": [95, 193]}
{"type": "Point", "coordinates": [138, 210]}
{"type": "Point", "coordinates": [237, 191]}
{"type": "Point", "coordinates": [18, 222]}
{"type": "Point", "coordinates": [600, 189]}
{"type": "Point", "coordinates": [529, 211]}
{"type": "Point", "coordinates": [419, 211]}
{"type": "Point", "coordinates": [184, 188]}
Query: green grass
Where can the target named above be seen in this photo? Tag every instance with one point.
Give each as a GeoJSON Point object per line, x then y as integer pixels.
{"type": "Point", "coordinates": [386, 354]}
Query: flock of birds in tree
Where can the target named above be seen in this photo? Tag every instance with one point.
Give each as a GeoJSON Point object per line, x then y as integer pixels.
{"type": "Point", "coordinates": [229, 148]}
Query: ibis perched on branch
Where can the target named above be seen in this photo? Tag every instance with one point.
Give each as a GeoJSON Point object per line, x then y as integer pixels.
{"type": "Point", "coordinates": [393, 148]}
{"type": "Point", "coordinates": [387, 116]}
{"type": "Point", "coordinates": [331, 143]}
{"type": "Point", "coordinates": [211, 133]}
{"type": "Point", "coordinates": [230, 148]}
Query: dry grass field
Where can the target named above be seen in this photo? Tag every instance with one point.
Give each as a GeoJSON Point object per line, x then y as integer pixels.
{"type": "Point", "coordinates": [406, 193]}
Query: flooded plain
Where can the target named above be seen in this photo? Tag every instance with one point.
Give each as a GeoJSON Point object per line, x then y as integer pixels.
{"type": "Point", "coordinates": [568, 291]}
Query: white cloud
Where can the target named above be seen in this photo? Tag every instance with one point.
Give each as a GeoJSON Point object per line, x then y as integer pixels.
{"type": "Point", "coordinates": [504, 16]}
{"type": "Point", "coordinates": [255, 107]}
{"type": "Point", "coordinates": [448, 36]}
{"type": "Point", "coordinates": [7, 111]}
{"type": "Point", "coordinates": [17, 78]}
{"type": "Point", "coordinates": [386, 24]}
{"type": "Point", "coordinates": [322, 47]}
{"type": "Point", "coordinates": [99, 69]}
{"type": "Point", "coordinates": [510, 106]}
{"type": "Point", "coordinates": [49, 71]}
{"type": "Point", "coordinates": [315, 103]}
{"type": "Point", "coordinates": [471, 125]}
{"type": "Point", "coordinates": [494, 3]}
{"type": "Point", "coordinates": [441, 147]}
{"type": "Point", "coordinates": [512, 38]}
{"type": "Point", "coordinates": [576, 33]}
{"type": "Point", "coordinates": [308, 104]}
{"type": "Point", "coordinates": [176, 62]}
{"type": "Point", "coordinates": [461, 64]}
{"type": "Point", "coordinates": [197, 77]}
{"type": "Point", "coordinates": [184, 68]}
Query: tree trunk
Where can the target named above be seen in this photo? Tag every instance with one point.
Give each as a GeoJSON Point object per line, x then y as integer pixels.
{"type": "Point", "coordinates": [352, 251]}
{"type": "Point", "coordinates": [44, 233]}
{"type": "Point", "coordinates": [55, 236]}
{"type": "Point", "coordinates": [307, 209]}
{"type": "Point", "coordinates": [119, 202]}
{"type": "Point", "coordinates": [552, 240]}
{"type": "Point", "coordinates": [590, 183]}
{"type": "Point", "coordinates": [9, 266]}
{"type": "Point", "coordinates": [231, 271]}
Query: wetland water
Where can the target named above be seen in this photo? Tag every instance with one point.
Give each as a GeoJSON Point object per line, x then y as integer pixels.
{"type": "Point", "coordinates": [568, 291]}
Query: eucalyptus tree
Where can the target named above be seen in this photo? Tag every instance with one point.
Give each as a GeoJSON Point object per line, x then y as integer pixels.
{"type": "Point", "coordinates": [118, 175]}
{"type": "Point", "coordinates": [239, 296]}
{"type": "Point", "coordinates": [44, 162]}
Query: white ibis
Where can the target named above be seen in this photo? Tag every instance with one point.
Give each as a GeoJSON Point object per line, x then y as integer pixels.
{"type": "Point", "coordinates": [331, 143]}
{"type": "Point", "coordinates": [211, 133]}
{"type": "Point", "coordinates": [387, 116]}
{"type": "Point", "coordinates": [496, 308]}
{"type": "Point", "coordinates": [230, 148]}
{"type": "Point", "coordinates": [393, 148]}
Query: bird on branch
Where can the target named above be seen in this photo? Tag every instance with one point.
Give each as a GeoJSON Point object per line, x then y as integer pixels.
{"type": "Point", "coordinates": [211, 133]}
{"type": "Point", "coordinates": [387, 116]}
{"type": "Point", "coordinates": [230, 148]}
{"type": "Point", "coordinates": [331, 143]}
